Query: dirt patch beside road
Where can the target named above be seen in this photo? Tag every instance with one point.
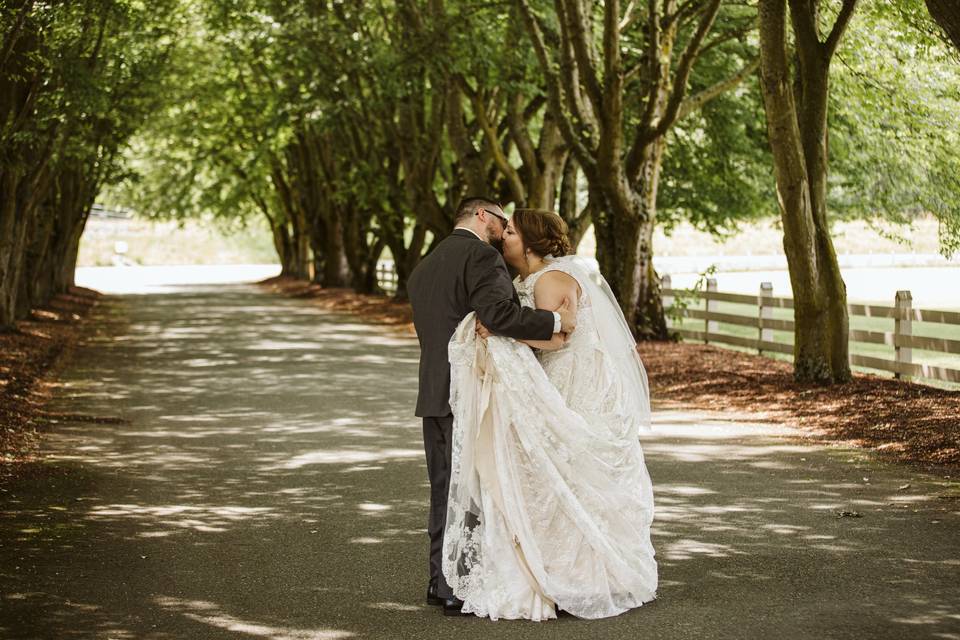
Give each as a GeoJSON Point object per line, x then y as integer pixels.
{"type": "Point", "coordinates": [29, 357]}
{"type": "Point", "coordinates": [899, 420]}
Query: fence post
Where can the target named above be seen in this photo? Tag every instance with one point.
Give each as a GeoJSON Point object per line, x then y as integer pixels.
{"type": "Point", "coordinates": [666, 283]}
{"type": "Point", "coordinates": [710, 306]}
{"type": "Point", "coordinates": [387, 277]}
{"type": "Point", "coordinates": [766, 312]}
{"type": "Point", "coordinates": [903, 326]}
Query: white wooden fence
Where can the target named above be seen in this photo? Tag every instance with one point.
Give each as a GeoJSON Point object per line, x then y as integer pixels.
{"type": "Point", "coordinates": [901, 338]}
{"type": "Point", "coordinates": [387, 276]}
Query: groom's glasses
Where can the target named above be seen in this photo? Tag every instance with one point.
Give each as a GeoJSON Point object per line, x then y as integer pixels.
{"type": "Point", "coordinates": [503, 219]}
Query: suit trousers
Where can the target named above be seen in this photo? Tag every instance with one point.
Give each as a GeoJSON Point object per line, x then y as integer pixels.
{"type": "Point", "coordinates": [437, 435]}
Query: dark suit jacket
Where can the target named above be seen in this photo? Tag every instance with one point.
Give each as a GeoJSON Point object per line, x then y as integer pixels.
{"type": "Point", "coordinates": [463, 274]}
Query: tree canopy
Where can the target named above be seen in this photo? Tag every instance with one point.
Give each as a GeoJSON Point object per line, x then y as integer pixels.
{"type": "Point", "coordinates": [354, 128]}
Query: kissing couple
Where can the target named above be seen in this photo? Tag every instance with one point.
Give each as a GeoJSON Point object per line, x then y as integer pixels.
{"type": "Point", "coordinates": [532, 396]}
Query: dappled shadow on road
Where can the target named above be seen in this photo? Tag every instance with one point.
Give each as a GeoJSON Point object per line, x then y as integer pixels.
{"type": "Point", "coordinates": [269, 482]}
{"type": "Point", "coordinates": [757, 518]}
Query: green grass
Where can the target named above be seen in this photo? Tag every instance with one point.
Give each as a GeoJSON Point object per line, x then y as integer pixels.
{"type": "Point", "coordinates": [920, 356]}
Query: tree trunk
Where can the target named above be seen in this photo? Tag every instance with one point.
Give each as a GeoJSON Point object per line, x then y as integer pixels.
{"type": "Point", "coordinates": [363, 263]}
{"type": "Point", "coordinates": [18, 218]}
{"type": "Point", "coordinates": [620, 155]}
{"type": "Point", "coordinates": [73, 195]}
{"type": "Point", "coordinates": [623, 251]}
{"type": "Point", "coordinates": [282, 242]}
{"type": "Point", "coordinates": [552, 153]}
{"type": "Point", "coordinates": [299, 236]}
{"type": "Point", "coordinates": [34, 285]}
{"type": "Point", "coordinates": [65, 278]}
{"type": "Point", "coordinates": [69, 249]}
{"type": "Point", "coordinates": [578, 220]}
{"type": "Point", "coordinates": [336, 268]}
{"type": "Point", "coordinates": [361, 255]}
{"type": "Point", "coordinates": [343, 231]}
{"type": "Point", "coordinates": [411, 258]}
{"type": "Point", "coordinates": [946, 13]}
{"type": "Point", "coordinates": [28, 289]}
{"type": "Point", "coordinates": [797, 128]}
{"type": "Point", "coordinates": [625, 244]}
{"type": "Point", "coordinates": [471, 165]}
{"type": "Point", "coordinates": [301, 247]}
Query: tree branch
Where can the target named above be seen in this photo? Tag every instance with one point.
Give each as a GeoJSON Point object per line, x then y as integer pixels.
{"type": "Point", "coordinates": [843, 19]}
{"type": "Point", "coordinates": [947, 16]}
{"type": "Point", "coordinates": [694, 102]}
{"type": "Point", "coordinates": [803, 15]}
{"type": "Point", "coordinates": [684, 68]}
{"type": "Point", "coordinates": [516, 123]}
{"type": "Point", "coordinates": [686, 10]}
{"type": "Point", "coordinates": [493, 143]}
{"type": "Point", "coordinates": [584, 116]}
{"type": "Point", "coordinates": [629, 17]}
{"type": "Point", "coordinates": [727, 36]}
{"type": "Point", "coordinates": [554, 88]}
{"type": "Point", "coordinates": [611, 135]}
{"type": "Point", "coordinates": [578, 30]}
{"type": "Point", "coordinates": [659, 64]}
{"type": "Point", "coordinates": [653, 40]}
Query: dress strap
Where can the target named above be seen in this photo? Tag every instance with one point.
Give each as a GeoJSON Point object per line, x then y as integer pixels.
{"type": "Point", "coordinates": [531, 279]}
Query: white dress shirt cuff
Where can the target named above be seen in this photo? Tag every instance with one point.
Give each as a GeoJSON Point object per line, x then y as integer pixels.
{"type": "Point", "coordinates": [556, 322]}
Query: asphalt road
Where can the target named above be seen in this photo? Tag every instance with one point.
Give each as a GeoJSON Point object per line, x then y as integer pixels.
{"type": "Point", "coordinates": [234, 464]}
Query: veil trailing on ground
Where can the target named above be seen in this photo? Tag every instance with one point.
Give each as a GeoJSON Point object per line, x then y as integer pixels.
{"type": "Point", "coordinates": [615, 336]}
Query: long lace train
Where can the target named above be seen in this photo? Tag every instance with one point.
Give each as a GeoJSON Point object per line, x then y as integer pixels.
{"type": "Point", "coordinates": [546, 507]}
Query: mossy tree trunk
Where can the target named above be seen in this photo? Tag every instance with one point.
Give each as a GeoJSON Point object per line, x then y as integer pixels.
{"type": "Point", "coordinates": [796, 108]}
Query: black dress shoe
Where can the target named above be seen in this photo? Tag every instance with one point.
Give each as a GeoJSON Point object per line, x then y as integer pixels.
{"type": "Point", "coordinates": [432, 597]}
{"type": "Point", "coordinates": [453, 606]}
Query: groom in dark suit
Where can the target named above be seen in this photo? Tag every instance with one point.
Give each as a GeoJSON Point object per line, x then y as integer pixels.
{"type": "Point", "coordinates": [464, 273]}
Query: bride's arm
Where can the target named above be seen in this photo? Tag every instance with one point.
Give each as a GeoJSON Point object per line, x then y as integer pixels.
{"type": "Point", "coordinates": [550, 292]}
{"type": "Point", "coordinates": [554, 343]}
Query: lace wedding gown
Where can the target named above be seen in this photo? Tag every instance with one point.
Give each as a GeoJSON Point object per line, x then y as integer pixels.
{"type": "Point", "coordinates": [550, 501]}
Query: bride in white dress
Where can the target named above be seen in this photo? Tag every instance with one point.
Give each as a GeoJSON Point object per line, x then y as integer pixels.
{"type": "Point", "coordinates": [550, 502]}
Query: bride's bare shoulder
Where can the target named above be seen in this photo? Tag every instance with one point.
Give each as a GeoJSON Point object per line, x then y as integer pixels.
{"type": "Point", "coordinates": [556, 284]}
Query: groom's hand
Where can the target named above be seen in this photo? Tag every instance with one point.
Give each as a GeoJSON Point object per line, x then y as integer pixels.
{"type": "Point", "coordinates": [568, 317]}
{"type": "Point", "coordinates": [482, 331]}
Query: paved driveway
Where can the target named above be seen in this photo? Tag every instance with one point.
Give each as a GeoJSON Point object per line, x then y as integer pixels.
{"type": "Point", "coordinates": [234, 464]}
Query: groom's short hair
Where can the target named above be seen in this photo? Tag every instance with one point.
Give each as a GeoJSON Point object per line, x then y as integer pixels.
{"type": "Point", "coordinates": [468, 207]}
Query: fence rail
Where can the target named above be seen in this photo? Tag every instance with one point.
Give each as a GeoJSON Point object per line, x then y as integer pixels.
{"type": "Point", "coordinates": [901, 339]}
{"type": "Point", "coordinates": [387, 277]}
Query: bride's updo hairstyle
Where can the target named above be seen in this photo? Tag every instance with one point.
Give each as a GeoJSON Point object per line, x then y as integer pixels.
{"type": "Point", "coordinates": [542, 231]}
